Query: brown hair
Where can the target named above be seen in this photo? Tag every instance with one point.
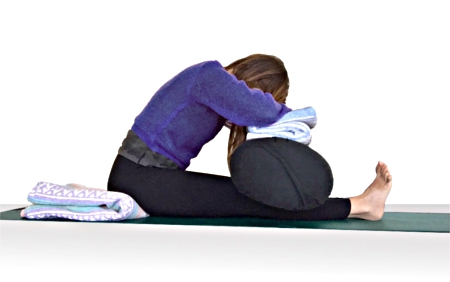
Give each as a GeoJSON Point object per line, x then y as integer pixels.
{"type": "Point", "coordinates": [265, 72]}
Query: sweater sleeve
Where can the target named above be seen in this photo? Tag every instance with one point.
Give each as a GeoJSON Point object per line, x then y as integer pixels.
{"type": "Point", "coordinates": [233, 99]}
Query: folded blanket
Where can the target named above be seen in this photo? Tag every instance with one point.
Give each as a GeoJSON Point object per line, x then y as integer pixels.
{"type": "Point", "coordinates": [296, 125]}
{"type": "Point", "coordinates": [81, 203]}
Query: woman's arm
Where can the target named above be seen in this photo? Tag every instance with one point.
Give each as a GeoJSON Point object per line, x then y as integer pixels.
{"type": "Point", "coordinates": [233, 99]}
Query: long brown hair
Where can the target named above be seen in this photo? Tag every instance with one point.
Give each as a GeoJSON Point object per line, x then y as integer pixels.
{"type": "Point", "coordinates": [265, 72]}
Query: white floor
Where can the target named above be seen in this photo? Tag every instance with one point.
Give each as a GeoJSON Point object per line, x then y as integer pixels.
{"type": "Point", "coordinates": [57, 251]}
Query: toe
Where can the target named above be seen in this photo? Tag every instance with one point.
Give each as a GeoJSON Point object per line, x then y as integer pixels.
{"type": "Point", "coordinates": [389, 178]}
{"type": "Point", "coordinates": [378, 168]}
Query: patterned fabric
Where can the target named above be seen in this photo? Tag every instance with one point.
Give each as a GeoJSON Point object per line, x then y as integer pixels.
{"type": "Point", "coordinates": [81, 203]}
{"type": "Point", "coordinates": [296, 125]}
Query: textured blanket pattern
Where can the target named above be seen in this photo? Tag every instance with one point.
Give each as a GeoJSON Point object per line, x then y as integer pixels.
{"type": "Point", "coordinates": [81, 203]}
{"type": "Point", "coordinates": [295, 125]}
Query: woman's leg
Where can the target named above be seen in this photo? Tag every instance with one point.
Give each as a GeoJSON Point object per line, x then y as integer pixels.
{"type": "Point", "coordinates": [167, 192]}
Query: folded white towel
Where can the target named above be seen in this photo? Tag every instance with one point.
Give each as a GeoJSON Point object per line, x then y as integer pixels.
{"type": "Point", "coordinates": [296, 125]}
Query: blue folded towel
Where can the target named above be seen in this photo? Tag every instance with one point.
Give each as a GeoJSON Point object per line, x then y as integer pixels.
{"type": "Point", "coordinates": [295, 125]}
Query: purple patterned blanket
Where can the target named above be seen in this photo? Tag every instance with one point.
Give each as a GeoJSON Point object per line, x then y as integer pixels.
{"type": "Point", "coordinates": [81, 203]}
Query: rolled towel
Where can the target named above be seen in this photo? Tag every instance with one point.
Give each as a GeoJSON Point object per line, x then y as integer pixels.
{"type": "Point", "coordinates": [80, 203]}
{"type": "Point", "coordinates": [296, 125]}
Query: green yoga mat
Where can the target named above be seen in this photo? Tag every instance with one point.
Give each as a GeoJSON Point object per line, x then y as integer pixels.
{"type": "Point", "coordinates": [392, 221]}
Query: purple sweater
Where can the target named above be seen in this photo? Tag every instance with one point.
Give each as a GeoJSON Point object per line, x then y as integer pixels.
{"type": "Point", "coordinates": [191, 108]}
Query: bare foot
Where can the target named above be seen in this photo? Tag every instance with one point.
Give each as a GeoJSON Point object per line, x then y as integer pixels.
{"type": "Point", "coordinates": [370, 204]}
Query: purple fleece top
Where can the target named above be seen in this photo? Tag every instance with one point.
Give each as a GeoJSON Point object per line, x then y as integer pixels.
{"type": "Point", "coordinates": [189, 110]}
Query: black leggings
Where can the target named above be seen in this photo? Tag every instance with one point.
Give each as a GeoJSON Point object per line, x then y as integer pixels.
{"type": "Point", "coordinates": [177, 193]}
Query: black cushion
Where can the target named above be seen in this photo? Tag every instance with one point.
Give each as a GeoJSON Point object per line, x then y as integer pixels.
{"type": "Point", "coordinates": [281, 173]}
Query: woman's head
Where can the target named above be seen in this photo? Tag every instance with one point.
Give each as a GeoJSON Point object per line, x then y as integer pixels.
{"type": "Point", "coordinates": [265, 72]}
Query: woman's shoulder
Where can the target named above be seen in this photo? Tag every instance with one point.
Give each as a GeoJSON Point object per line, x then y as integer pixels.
{"type": "Point", "coordinates": [208, 64]}
{"type": "Point", "coordinates": [199, 69]}
{"type": "Point", "coordinates": [206, 70]}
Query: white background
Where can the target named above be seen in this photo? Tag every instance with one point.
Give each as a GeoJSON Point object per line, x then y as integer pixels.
{"type": "Point", "coordinates": [74, 74]}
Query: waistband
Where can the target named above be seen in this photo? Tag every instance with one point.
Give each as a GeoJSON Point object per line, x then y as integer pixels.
{"type": "Point", "coordinates": [134, 149]}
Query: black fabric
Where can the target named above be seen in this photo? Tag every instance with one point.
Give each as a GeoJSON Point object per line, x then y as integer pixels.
{"type": "Point", "coordinates": [178, 193]}
{"type": "Point", "coordinates": [281, 173]}
{"type": "Point", "coordinates": [134, 149]}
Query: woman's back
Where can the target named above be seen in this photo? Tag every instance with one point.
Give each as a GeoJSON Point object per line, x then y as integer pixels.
{"type": "Point", "coordinates": [191, 108]}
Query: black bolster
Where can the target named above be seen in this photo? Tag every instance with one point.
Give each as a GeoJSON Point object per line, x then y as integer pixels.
{"type": "Point", "coordinates": [281, 173]}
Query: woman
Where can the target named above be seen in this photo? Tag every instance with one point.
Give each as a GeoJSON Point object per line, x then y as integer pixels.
{"type": "Point", "coordinates": [187, 112]}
